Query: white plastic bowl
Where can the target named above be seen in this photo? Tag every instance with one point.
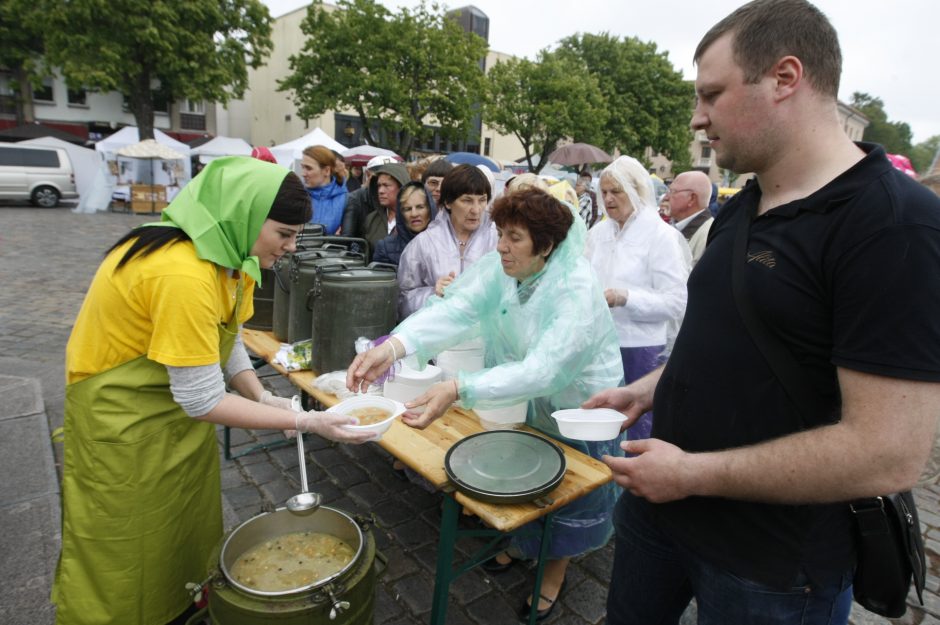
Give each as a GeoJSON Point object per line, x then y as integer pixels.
{"type": "Point", "coordinates": [506, 418]}
{"type": "Point", "coordinates": [589, 424]}
{"type": "Point", "coordinates": [370, 401]}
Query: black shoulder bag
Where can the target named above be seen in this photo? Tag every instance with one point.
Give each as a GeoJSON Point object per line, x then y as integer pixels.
{"type": "Point", "coordinates": [889, 546]}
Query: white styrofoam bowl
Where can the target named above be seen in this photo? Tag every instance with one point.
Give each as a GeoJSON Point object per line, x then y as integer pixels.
{"type": "Point", "coordinates": [370, 401]}
{"type": "Point", "coordinates": [589, 424]}
{"type": "Point", "coordinates": [502, 418]}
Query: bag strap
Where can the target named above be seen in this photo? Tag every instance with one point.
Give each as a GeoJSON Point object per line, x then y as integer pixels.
{"type": "Point", "coordinates": [780, 359]}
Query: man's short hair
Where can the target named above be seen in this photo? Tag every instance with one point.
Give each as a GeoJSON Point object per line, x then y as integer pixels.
{"type": "Point", "coordinates": [764, 31]}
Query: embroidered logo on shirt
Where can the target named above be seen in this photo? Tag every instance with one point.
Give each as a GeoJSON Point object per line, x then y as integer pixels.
{"type": "Point", "coordinates": [765, 258]}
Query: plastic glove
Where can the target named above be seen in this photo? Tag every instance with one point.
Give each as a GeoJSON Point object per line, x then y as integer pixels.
{"type": "Point", "coordinates": [269, 399]}
{"type": "Point", "coordinates": [329, 425]}
{"type": "Point", "coordinates": [616, 297]}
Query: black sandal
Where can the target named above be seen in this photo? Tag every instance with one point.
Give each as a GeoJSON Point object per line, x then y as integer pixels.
{"type": "Point", "coordinates": [526, 609]}
{"type": "Point", "coordinates": [495, 566]}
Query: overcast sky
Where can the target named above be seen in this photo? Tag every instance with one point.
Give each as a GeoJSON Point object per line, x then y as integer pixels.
{"type": "Point", "coordinates": [890, 48]}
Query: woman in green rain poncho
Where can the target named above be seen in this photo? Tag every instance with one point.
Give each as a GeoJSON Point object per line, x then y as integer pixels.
{"type": "Point", "coordinates": [146, 365]}
{"type": "Point", "coordinates": [549, 340]}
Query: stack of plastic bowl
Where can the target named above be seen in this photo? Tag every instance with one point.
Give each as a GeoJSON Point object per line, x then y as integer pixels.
{"type": "Point", "coordinates": [507, 418]}
{"type": "Point", "coordinates": [464, 357]}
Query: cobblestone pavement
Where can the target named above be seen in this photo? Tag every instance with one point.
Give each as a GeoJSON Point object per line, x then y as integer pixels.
{"type": "Point", "coordinates": [48, 257]}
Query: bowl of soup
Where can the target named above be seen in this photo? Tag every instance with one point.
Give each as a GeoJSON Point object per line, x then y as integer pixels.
{"type": "Point", "coordinates": [375, 414]}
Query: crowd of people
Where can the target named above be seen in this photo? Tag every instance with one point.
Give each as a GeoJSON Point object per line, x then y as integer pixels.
{"type": "Point", "coordinates": [724, 488]}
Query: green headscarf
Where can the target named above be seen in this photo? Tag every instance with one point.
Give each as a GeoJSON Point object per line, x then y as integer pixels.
{"type": "Point", "coordinates": [223, 208]}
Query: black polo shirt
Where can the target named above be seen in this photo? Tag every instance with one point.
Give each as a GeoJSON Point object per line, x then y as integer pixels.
{"type": "Point", "coordinates": [847, 277]}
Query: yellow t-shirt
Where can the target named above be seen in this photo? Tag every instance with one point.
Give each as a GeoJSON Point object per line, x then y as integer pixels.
{"type": "Point", "coordinates": [166, 305]}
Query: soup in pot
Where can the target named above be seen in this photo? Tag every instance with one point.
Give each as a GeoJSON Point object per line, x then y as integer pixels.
{"type": "Point", "coordinates": [370, 416]}
{"type": "Point", "coordinates": [291, 561]}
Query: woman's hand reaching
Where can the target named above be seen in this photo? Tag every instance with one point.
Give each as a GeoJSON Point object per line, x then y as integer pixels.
{"type": "Point", "coordinates": [436, 401]}
{"type": "Point", "coordinates": [368, 366]}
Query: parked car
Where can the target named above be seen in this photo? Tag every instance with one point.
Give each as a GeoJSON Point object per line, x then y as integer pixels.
{"type": "Point", "coordinates": [38, 174]}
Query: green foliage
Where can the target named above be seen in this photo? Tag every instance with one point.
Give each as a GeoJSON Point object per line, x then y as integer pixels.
{"type": "Point", "coordinates": [894, 136]}
{"type": "Point", "coordinates": [196, 49]}
{"type": "Point", "coordinates": [21, 51]}
{"type": "Point", "coordinates": [542, 102]}
{"type": "Point", "coordinates": [923, 154]}
{"type": "Point", "coordinates": [399, 72]}
{"type": "Point", "coordinates": [649, 102]}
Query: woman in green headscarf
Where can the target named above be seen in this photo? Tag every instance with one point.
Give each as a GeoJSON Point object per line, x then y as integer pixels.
{"type": "Point", "coordinates": [147, 362]}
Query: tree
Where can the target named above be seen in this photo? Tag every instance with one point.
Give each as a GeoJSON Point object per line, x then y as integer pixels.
{"type": "Point", "coordinates": [21, 52]}
{"type": "Point", "coordinates": [894, 136]}
{"type": "Point", "coordinates": [399, 72]}
{"type": "Point", "coordinates": [923, 154]}
{"type": "Point", "coordinates": [649, 102]}
{"type": "Point", "coordinates": [542, 102]}
{"type": "Point", "coordinates": [195, 49]}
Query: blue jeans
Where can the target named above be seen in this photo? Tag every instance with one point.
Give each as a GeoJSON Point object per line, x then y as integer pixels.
{"type": "Point", "coordinates": [654, 578]}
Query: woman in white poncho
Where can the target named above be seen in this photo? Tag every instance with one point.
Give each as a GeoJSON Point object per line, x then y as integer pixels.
{"type": "Point", "coordinates": [549, 341]}
{"type": "Point", "coordinates": [643, 264]}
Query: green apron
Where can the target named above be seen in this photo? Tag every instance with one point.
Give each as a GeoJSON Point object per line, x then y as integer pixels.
{"type": "Point", "coordinates": [141, 496]}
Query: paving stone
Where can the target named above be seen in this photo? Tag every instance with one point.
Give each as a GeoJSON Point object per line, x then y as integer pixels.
{"type": "Point", "coordinates": [386, 607]}
{"type": "Point", "coordinates": [392, 512]}
{"type": "Point", "coordinates": [415, 591]}
{"type": "Point", "coordinates": [262, 472]}
{"type": "Point", "coordinates": [346, 474]}
{"type": "Point", "coordinates": [587, 599]}
{"type": "Point", "coordinates": [400, 564]}
{"type": "Point", "coordinates": [415, 533]}
{"type": "Point", "coordinates": [278, 492]}
{"type": "Point", "coordinates": [493, 609]}
{"type": "Point", "coordinates": [369, 495]}
{"type": "Point", "coordinates": [242, 496]}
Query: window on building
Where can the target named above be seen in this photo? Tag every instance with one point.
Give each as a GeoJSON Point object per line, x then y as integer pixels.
{"type": "Point", "coordinates": [706, 151]}
{"type": "Point", "coordinates": [43, 93]}
{"type": "Point", "coordinates": [78, 97]}
{"type": "Point", "coordinates": [194, 107]}
{"type": "Point", "coordinates": [486, 146]}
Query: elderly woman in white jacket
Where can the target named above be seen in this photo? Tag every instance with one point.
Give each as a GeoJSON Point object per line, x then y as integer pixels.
{"type": "Point", "coordinates": [643, 264]}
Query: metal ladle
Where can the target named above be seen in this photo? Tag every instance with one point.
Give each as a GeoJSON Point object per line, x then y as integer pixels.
{"type": "Point", "coordinates": [305, 502]}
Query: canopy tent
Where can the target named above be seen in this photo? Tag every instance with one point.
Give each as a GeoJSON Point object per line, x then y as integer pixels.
{"type": "Point", "coordinates": [155, 186]}
{"type": "Point", "coordinates": [84, 160]}
{"type": "Point", "coordinates": [115, 175]}
{"type": "Point", "coordinates": [292, 151]}
{"type": "Point", "coordinates": [221, 146]}
{"type": "Point", "coordinates": [362, 154]}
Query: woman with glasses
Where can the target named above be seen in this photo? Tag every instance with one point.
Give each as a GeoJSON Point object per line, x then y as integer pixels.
{"type": "Point", "coordinates": [643, 264]}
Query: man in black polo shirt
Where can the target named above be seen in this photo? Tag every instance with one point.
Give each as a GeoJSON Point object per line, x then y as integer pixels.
{"type": "Point", "coordinates": [738, 497]}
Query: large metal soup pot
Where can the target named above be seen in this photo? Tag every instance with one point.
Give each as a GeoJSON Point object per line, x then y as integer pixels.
{"type": "Point", "coordinates": [346, 597]}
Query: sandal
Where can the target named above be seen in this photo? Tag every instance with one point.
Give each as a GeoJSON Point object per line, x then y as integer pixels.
{"type": "Point", "coordinates": [526, 609]}
{"type": "Point", "coordinates": [495, 566]}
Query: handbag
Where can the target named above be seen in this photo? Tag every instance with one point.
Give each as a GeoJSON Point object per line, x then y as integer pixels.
{"type": "Point", "coordinates": [888, 542]}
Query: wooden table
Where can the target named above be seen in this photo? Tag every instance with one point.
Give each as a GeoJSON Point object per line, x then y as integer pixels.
{"type": "Point", "coordinates": [424, 451]}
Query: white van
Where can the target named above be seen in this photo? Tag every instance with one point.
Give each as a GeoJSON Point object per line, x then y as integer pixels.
{"type": "Point", "coordinates": [41, 175]}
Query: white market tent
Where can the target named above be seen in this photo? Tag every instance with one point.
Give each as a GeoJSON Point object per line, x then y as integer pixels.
{"type": "Point", "coordinates": [84, 161]}
{"type": "Point", "coordinates": [221, 146]}
{"type": "Point", "coordinates": [287, 154]}
{"type": "Point", "coordinates": [114, 176]}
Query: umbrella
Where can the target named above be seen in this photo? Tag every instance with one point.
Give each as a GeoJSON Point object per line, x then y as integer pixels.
{"type": "Point", "coordinates": [362, 154]}
{"type": "Point", "coordinates": [469, 158]}
{"type": "Point", "coordinates": [579, 154]}
{"type": "Point", "coordinates": [149, 149]}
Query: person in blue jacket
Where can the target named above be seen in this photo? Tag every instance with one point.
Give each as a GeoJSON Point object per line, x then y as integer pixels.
{"type": "Point", "coordinates": [414, 212]}
{"type": "Point", "coordinates": [326, 187]}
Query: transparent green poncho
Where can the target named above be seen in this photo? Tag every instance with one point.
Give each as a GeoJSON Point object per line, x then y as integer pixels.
{"type": "Point", "coordinates": [549, 339]}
